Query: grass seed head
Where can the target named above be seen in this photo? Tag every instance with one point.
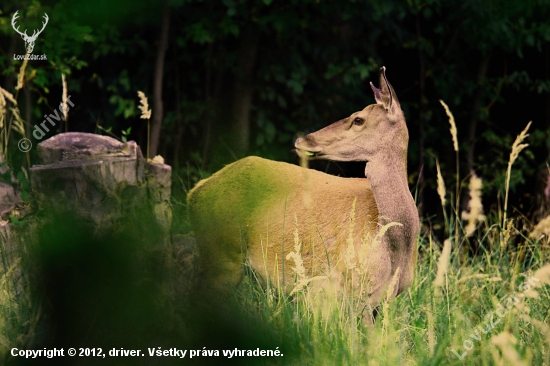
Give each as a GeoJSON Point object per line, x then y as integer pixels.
{"type": "Point", "coordinates": [542, 228]}
{"type": "Point", "coordinates": [18, 123]}
{"type": "Point", "coordinates": [442, 264]}
{"type": "Point", "coordinates": [507, 233]}
{"type": "Point", "coordinates": [441, 191]}
{"type": "Point", "coordinates": [506, 342]}
{"type": "Point", "coordinates": [8, 96]}
{"type": "Point", "coordinates": [64, 110]}
{"type": "Point", "coordinates": [517, 146]}
{"type": "Point", "coordinates": [475, 206]}
{"type": "Point", "coordinates": [454, 132]}
{"type": "Point", "coordinates": [144, 106]}
{"type": "Point", "coordinates": [296, 255]}
{"type": "Point", "coordinates": [391, 286]}
{"type": "Point", "coordinates": [21, 75]}
{"type": "Point", "coordinates": [543, 275]}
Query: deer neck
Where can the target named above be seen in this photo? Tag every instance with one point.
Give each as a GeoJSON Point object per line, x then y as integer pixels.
{"type": "Point", "coordinates": [388, 180]}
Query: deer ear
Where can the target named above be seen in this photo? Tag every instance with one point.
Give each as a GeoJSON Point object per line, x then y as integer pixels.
{"type": "Point", "coordinates": [376, 92]}
{"type": "Point", "coordinates": [387, 95]}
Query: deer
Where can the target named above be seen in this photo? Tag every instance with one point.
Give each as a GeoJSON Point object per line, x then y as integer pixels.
{"type": "Point", "coordinates": [29, 40]}
{"type": "Point", "coordinates": [252, 209]}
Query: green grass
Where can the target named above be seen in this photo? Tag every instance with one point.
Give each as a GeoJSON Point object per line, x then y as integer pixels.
{"type": "Point", "coordinates": [467, 317]}
{"type": "Point", "coordinates": [420, 327]}
{"type": "Point", "coordinates": [491, 309]}
{"type": "Point", "coordinates": [424, 324]}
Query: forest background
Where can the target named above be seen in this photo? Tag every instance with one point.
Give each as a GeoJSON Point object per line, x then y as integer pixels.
{"type": "Point", "coordinates": [232, 78]}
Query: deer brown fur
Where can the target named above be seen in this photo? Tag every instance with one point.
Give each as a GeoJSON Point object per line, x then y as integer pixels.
{"type": "Point", "coordinates": [250, 209]}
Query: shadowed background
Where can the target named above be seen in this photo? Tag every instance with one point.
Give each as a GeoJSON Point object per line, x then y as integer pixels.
{"type": "Point", "coordinates": [232, 78]}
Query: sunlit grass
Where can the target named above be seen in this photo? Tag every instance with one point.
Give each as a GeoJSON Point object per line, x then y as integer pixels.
{"type": "Point", "coordinates": [469, 311]}
{"type": "Point", "coordinates": [459, 310]}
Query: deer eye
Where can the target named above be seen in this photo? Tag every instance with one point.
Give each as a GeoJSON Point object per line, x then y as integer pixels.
{"type": "Point", "coordinates": [358, 121]}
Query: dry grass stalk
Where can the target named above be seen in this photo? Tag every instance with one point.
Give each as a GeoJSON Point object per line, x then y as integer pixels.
{"type": "Point", "coordinates": [517, 147]}
{"type": "Point", "coordinates": [21, 75]}
{"type": "Point", "coordinates": [368, 247]}
{"type": "Point", "coordinates": [390, 291]}
{"type": "Point", "coordinates": [539, 279]}
{"type": "Point", "coordinates": [145, 114]}
{"type": "Point", "coordinates": [542, 228]}
{"type": "Point", "coordinates": [441, 191]}
{"type": "Point", "coordinates": [351, 255]}
{"type": "Point", "coordinates": [543, 327]}
{"type": "Point", "coordinates": [144, 106]}
{"type": "Point", "coordinates": [383, 230]}
{"type": "Point", "coordinates": [5, 125]}
{"type": "Point", "coordinates": [442, 265]}
{"type": "Point", "coordinates": [431, 332]}
{"type": "Point", "coordinates": [296, 256]}
{"type": "Point", "coordinates": [475, 206]}
{"type": "Point", "coordinates": [18, 123]}
{"type": "Point", "coordinates": [506, 233]}
{"type": "Point", "coordinates": [454, 132]}
{"type": "Point", "coordinates": [8, 96]}
{"type": "Point", "coordinates": [506, 343]}
{"type": "Point", "coordinates": [543, 275]}
{"type": "Point", "coordinates": [64, 108]}
{"type": "Point", "coordinates": [391, 287]}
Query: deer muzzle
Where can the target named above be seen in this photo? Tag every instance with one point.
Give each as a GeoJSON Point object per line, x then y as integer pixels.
{"type": "Point", "coordinates": [304, 146]}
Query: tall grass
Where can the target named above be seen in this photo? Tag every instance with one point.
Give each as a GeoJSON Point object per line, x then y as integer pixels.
{"type": "Point", "coordinates": [19, 313]}
{"type": "Point", "coordinates": [145, 114]}
{"type": "Point", "coordinates": [452, 314]}
{"type": "Point", "coordinates": [492, 309]}
{"type": "Point", "coordinates": [479, 312]}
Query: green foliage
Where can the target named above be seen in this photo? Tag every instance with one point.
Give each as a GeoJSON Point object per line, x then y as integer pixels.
{"type": "Point", "coordinates": [420, 326]}
{"type": "Point", "coordinates": [17, 222]}
{"type": "Point", "coordinates": [125, 134]}
{"type": "Point", "coordinates": [313, 63]}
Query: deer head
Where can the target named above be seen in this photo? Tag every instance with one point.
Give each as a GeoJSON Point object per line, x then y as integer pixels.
{"type": "Point", "coordinates": [377, 132]}
{"type": "Point", "coordinates": [29, 40]}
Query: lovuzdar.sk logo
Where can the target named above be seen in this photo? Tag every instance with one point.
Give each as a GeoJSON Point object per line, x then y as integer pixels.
{"type": "Point", "coordinates": [29, 40]}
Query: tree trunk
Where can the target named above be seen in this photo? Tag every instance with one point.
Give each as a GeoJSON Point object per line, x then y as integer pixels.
{"type": "Point", "coordinates": [242, 92]}
{"type": "Point", "coordinates": [217, 122]}
{"type": "Point", "coordinates": [472, 125]}
{"type": "Point", "coordinates": [179, 117]}
{"type": "Point", "coordinates": [157, 90]}
{"type": "Point", "coordinates": [421, 120]}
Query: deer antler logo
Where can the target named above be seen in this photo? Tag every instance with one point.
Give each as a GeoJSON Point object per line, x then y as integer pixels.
{"type": "Point", "coordinates": [29, 40]}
